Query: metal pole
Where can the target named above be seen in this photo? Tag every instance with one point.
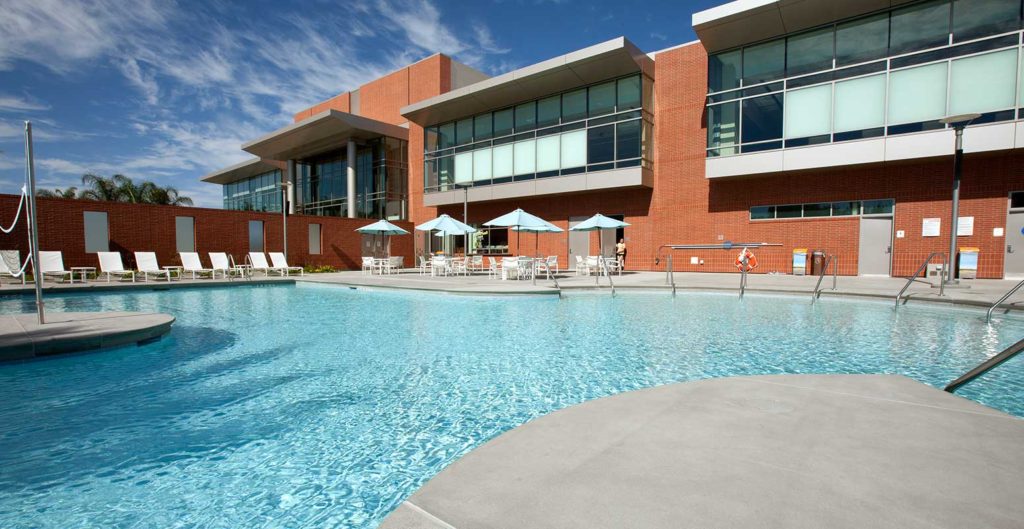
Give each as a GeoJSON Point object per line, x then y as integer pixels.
{"type": "Point", "coordinates": [30, 168]}
{"type": "Point", "coordinates": [465, 205]}
{"type": "Point", "coordinates": [284, 219]}
{"type": "Point", "coordinates": [957, 167]}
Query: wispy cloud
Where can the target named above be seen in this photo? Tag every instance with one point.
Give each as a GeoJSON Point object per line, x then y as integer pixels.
{"type": "Point", "coordinates": [20, 104]}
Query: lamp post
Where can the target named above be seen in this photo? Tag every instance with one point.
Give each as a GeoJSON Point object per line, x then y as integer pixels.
{"type": "Point", "coordinates": [465, 210]}
{"type": "Point", "coordinates": [284, 216]}
{"type": "Point", "coordinates": [958, 122]}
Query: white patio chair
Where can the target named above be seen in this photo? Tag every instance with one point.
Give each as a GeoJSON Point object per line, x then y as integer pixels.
{"type": "Point", "coordinates": [581, 268]}
{"type": "Point", "coordinates": [219, 262]}
{"type": "Point", "coordinates": [281, 263]}
{"type": "Point", "coordinates": [190, 263]}
{"type": "Point", "coordinates": [111, 265]}
{"type": "Point", "coordinates": [10, 265]}
{"type": "Point", "coordinates": [369, 264]}
{"type": "Point", "coordinates": [493, 268]}
{"type": "Point", "coordinates": [552, 263]}
{"type": "Point", "coordinates": [395, 264]}
{"type": "Point", "coordinates": [592, 265]}
{"type": "Point", "coordinates": [51, 264]}
{"type": "Point", "coordinates": [424, 265]}
{"type": "Point", "coordinates": [147, 265]}
{"type": "Point", "coordinates": [612, 264]}
{"type": "Point", "coordinates": [526, 267]}
{"type": "Point", "coordinates": [476, 263]}
{"type": "Point", "coordinates": [509, 267]}
{"type": "Point", "coordinates": [439, 265]}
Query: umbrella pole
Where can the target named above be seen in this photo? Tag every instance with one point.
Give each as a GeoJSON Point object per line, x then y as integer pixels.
{"type": "Point", "coordinates": [600, 255]}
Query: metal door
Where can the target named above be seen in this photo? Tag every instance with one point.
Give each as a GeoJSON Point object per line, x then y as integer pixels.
{"type": "Point", "coordinates": [579, 241]}
{"type": "Point", "coordinates": [875, 246]}
{"type": "Point", "coordinates": [1014, 263]}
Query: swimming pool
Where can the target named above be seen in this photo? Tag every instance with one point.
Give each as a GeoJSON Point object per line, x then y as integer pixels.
{"type": "Point", "coordinates": [319, 406]}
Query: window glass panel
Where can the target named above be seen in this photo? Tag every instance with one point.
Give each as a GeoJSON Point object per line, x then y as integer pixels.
{"type": "Point", "coordinates": [724, 71]}
{"type": "Point", "coordinates": [464, 131]}
{"type": "Point", "coordinates": [97, 238]}
{"type": "Point", "coordinates": [314, 239]}
{"type": "Point", "coordinates": [255, 235]}
{"type": "Point", "coordinates": [502, 161]}
{"type": "Point", "coordinates": [601, 144]}
{"type": "Point", "coordinates": [979, 18]}
{"type": "Point", "coordinates": [764, 62]}
{"type": "Point", "coordinates": [574, 105]}
{"type": "Point", "coordinates": [919, 26]}
{"type": "Point", "coordinates": [503, 122]}
{"type": "Point", "coordinates": [549, 110]}
{"type": "Point", "coordinates": [447, 135]}
{"type": "Point", "coordinates": [430, 173]}
{"type": "Point", "coordinates": [526, 116]}
{"type": "Point", "coordinates": [602, 99]}
{"type": "Point", "coordinates": [862, 40]}
{"type": "Point", "coordinates": [463, 167]}
{"type": "Point", "coordinates": [860, 104]}
{"type": "Point", "coordinates": [185, 234]}
{"type": "Point", "coordinates": [547, 153]}
{"type": "Point", "coordinates": [627, 140]}
{"type": "Point", "coordinates": [791, 211]}
{"type": "Point", "coordinates": [983, 83]}
{"type": "Point", "coordinates": [762, 212]}
{"type": "Point", "coordinates": [917, 94]}
{"type": "Point", "coordinates": [845, 209]}
{"type": "Point", "coordinates": [808, 111]}
{"type": "Point", "coordinates": [809, 52]}
{"type": "Point", "coordinates": [525, 154]}
{"type": "Point", "coordinates": [762, 118]}
{"type": "Point", "coordinates": [1017, 199]}
{"type": "Point", "coordinates": [1020, 83]}
{"type": "Point", "coordinates": [482, 164]}
{"type": "Point", "coordinates": [822, 209]}
{"type": "Point", "coordinates": [482, 127]}
{"type": "Point", "coordinates": [574, 149]}
{"type": "Point", "coordinates": [876, 207]}
{"type": "Point", "coordinates": [628, 93]}
{"type": "Point", "coordinates": [723, 127]}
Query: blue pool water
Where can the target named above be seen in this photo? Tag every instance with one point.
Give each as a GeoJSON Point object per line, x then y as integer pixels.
{"type": "Point", "coordinates": [318, 406]}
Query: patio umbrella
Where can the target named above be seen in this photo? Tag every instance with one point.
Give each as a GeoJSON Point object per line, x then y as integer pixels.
{"type": "Point", "coordinates": [447, 226]}
{"type": "Point", "coordinates": [518, 219]}
{"type": "Point", "coordinates": [599, 223]}
{"type": "Point", "coordinates": [382, 227]}
{"type": "Point", "coordinates": [547, 228]}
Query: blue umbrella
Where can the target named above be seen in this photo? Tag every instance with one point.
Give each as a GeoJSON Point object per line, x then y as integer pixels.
{"type": "Point", "coordinates": [546, 228]}
{"type": "Point", "coordinates": [447, 226]}
{"type": "Point", "coordinates": [597, 223]}
{"type": "Point", "coordinates": [382, 227]}
{"type": "Point", "coordinates": [518, 219]}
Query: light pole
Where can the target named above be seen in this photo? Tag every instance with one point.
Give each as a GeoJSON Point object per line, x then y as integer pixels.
{"type": "Point", "coordinates": [284, 217]}
{"type": "Point", "coordinates": [465, 210]}
{"type": "Point", "coordinates": [958, 122]}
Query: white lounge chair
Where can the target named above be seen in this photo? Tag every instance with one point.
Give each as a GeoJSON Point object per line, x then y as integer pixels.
{"type": "Point", "coordinates": [281, 263]}
{"type": "Point", "coordinates": [10, 265]}
{"type": "Point", "coordinates": [190, 263]}
{"type": "Point", "coordinates": [111, 265]}
{"type": "Point", "coordinates": [147, 265]}
{"type": "Point", "coordinates": [220, 263]}
{"type": "Point", "coordinates": [258, 260]}
{"type": "Point", "coordinates": [51, 264]}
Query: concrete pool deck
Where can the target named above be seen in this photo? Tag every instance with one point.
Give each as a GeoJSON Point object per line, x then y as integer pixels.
{"type": "Point", "coordinates": [785, 451]}
{"type": "Point", "coordinates": [95, 285]}
{"type": "Point", "coordinates": [21, 336]}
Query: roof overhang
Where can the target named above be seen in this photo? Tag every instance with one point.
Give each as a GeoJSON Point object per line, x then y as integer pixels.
{"type": "Point", "coordinates": [239, 171]}
{"type": "Point", "coordinates": [745, 21]}
{"type": "Point", "coordinates": [321, 132]}
{"type": "Point", "coordinates": [590, 65]}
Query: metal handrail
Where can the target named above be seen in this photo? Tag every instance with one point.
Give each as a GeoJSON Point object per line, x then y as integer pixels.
{"type": "Point", "coordinates": [911, 279]}
{"type": "Point", "coordinates": [671, 275]}
{"type": "Point", "coordinates": [821, 275]}
{"type": "Point", "coordinates": [547, 270]}
{"type": "Point", "coordinates": [835, 271]}
{"type": "Point", "coordinates": [988, 315]}
{"type": "Point", "coordinates": [743, 279]}
{"type": "Point", "coordinates": [986, 366]}
{"type": "Point", "coordinates": [607, 273]}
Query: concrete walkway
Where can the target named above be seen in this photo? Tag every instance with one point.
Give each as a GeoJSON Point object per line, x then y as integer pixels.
{"type": "Point", "coordinates": [790, 451]}
{"type": "Point", "coordinates": [22, 337]}
{"type": "Point", "coordinates": [8, 288]}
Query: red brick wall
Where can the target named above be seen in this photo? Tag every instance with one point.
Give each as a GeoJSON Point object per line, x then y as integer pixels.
{"type": "Point", "coordinates": [140, 227]}
{"type": "Point", "coordinates": [341, 102]}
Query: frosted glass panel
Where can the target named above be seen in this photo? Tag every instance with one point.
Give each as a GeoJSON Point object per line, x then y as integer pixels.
{"type": "Point", "coordinates": [860, 104]}
{"type": "Point", "coordinates": [917, 94]}
{"type": "Point", "coordinates": [502, 161]}
{"type": "Point", "coordinates": [482, 164]}
{"type": "Point", "coordinates": [525, 157]}
{"type": "Point", "coordinates": [983, 83]}
{"type": "Point", "coordinates": [808, 111]}
{"type": "Point", "coordinates": [463, 167]}
{"type": "Point", "coordinates": [547, 153]}
{"type": "Point", "coordinates": [574, 149]}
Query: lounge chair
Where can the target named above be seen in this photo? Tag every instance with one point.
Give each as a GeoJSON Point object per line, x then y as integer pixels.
{"type": "Point", "coordinates": [220, 263]}
{"type": "Point", "coordinates": [51, 264]}
{"type": "Point", "coordinates": [111, 265]}
{"type": "Point", "coordinates": [281, 263]}
{"type": "Point", "coordinates": [190, 263]}
{"type": "Point", "coordinates": [10, 265]}
{"type": "Point", "coordinates": [258, 260]}
{"type": "Point", "coordinates": [147, 265]}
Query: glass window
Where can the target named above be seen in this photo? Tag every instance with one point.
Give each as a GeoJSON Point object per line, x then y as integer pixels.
{"type": "Point", "coordinates": [574, 105]}
{"type": "Point", "coordinates": [97, 238]}
{"type": "Point", "coordinates": [627, 140]}
{"type": "Point", "coordinates": [860, 104]}
{"type": "Point", "coordinates": [917, 94]}
{"type": "Point", "coordinates": [762, 118]}
{"type": "Point", "coordinates": [446, 135]}
{"type": "Point", "coordinates": [430, 139]}
{"type": "Point", "coordinates": [601, 144]}
{"type": "Point", "coordinates": [978, 18]}
{"type": "Point", "coordinates": [503, 122]}
{"type": "Point", "coordinates": [501, 159]}
{"type": "Point", "coordinates": [185, 234]}
{"type": "Point", "coordinates": [526, 116]}
{"type": "Point", "coordinates": [762, 212]}
{"type": "Point", "coordinates": [314, 239]}
{"type": "Point", "coordinates": [919, 26]}
{"type": "Point", "coordinates": [482, 164]}
{"type": "Point", "coordinates": [549, 111]}
{"type": "Point", "coordinates": [983, 83]}
{"type": "Point", "coordinates": [464, 131]}
{"type": "Point", "coordinates": [430, 173]}
{"type": "Point", "coordinates": [822, 209]}
{"type": "Point", "coordinates": [809, 52]}
{"type": "Point", "coordinates": [463, 167]}
{"type": "Point", "coordinates": [1017, 199]}
{"type": "Point", "coordinates": [862, 40]}
{"type": "Point", "coordinates": [255, 235]}
{"type": "Point", "coordinates": [764, 62]}
{"type": "Point", "coordinates": [628, 93]}
{"type": "Point", "coordinates": [808, 111]}
{"type": "Point", "coordinates": [845, 209]}
{"type": "Point", "coordinates": [547, 153]}
{"type": "Point", "coordinates": [724, 71]}
{"type": "Point", "coordinates": [601, 99]}
{"type": "Point", "coordinates": [792, 211]}
{"type": "Point", "coordinates": [876, 207]}
{"type": "Point", "coordinates": [574, 149]}
{"type": "Point", "coordinates": [525, 154]}
{"type": "Point", "coordinates": [482, 127]}
{"type": "Point", "coordinates": [723, 127]}
{"type": "Point", "coordinates": [445, 171]}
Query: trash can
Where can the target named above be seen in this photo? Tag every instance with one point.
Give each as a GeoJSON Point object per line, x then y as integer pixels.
{"type": "Point", "coordinates": [967, 263]}
{"type": "Point", "coordinates": [817, 262]}
{"type": "Point", "coordinates": [800, 261]}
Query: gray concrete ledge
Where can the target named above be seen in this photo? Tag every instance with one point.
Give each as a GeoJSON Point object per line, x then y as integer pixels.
{"type": "Point", "coordinates": [17, 289]}
{"type": "Point", "coordinates": [791, 451]}
{"type": "Point", "coordinates": [21, 337]}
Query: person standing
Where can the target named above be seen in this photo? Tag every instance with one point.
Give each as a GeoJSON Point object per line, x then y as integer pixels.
{"type": "Point", "coordinates": [620, 253]}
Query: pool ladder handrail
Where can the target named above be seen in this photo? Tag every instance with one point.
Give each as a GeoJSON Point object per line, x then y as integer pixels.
{"type": "Point", "coordinates": [988, 315]}
{"type": "Point", "coordinates": [607, 273]}
{"type": "Point", "coordinates": [829, 260]}
{"type": "Point", "coordinates": [986, 366]}
{"type": "Point", "coordinates": [924, 265]}
{"type": "Point", "coordinates": [547, 270]}
{"type": "Point", "coordinates": [743, 278]}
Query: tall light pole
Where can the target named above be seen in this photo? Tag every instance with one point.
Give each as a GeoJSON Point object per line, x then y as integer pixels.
{"type": "Point", "coordinates": [33, 221]}
{"type": "Point", "coordinates": [284, 216]}
{"type": "Point", "coordinates": [958, 122]}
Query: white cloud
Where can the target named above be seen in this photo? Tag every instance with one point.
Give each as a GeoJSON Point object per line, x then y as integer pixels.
{"type": "Point", "coordinates": [20, 104]}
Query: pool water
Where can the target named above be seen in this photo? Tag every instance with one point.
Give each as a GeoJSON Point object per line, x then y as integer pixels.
{"type": "Point", "coordinates": [320, 406]}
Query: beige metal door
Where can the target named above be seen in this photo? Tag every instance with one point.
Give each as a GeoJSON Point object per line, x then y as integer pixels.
{"type": "Point", "coordinates": [875, 246]}
{"type": "Point", "coordinates": [1014, 263]}
{"type": "Point", "coordinates": [579, 241]}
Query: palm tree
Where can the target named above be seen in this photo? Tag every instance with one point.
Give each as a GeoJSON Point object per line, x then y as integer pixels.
{"type": "Point", "coordinates": [120, 188]}
{"type": "Point", "coordinates": [100, 188]}
{"type": "Point", "coordinates": [71, 192]}
{"type": "Point", "coordinates": [167, 195]}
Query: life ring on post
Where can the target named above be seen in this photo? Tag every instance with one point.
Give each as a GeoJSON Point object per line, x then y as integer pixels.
{"type": "Point", "coordinates": [748, 257]}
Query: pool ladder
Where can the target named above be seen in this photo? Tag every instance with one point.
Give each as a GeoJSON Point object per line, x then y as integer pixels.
{"type": "Point", "coordinates": [986, 366]}
{"type": "Point", "coordinates": [988, 315]}
{"type": "Point", "coordinates": [924, 265]}
{"type": "Point", "coordinates": [830, 259]}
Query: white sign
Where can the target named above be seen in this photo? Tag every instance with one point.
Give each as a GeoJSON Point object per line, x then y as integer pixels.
{"type": "Point", "coordinates": [694, 260]}
{"type": "Point", "coordinates": [900, 234]}
{"type": "Point", "coordinates": [930, 227]}
{"type": "Point", "coordinates": [997, 232]}
{"type": "Point", "coordinates": [964, 226]}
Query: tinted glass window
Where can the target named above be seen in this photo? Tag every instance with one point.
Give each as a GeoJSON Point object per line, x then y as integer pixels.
{"type": "Point", "coordinates": [809, 52]}
{"type": "Point", "coordinates": [823, 209]}
{"type": "Point", "coordinates": [876, 207]}
{"type": "Point", "coordinates": [919, 26]}
{"type": "Point", "coordinates": [628, 93]}
{"type": "Point", "coordinates": [1017, 199]}
{"type": "Point", "coordinates": [862, 40]}
{"type": "Point", "coordinates": [430, 138]}
{"type": "Point", "coordinates": [762, 118]}
{"type": "Point", "coordinates": [601, 99]}
{"type": "Point", "coordinates": [482, 127]}
{"type": "Point", "coordinates": [601, 144]}
{"type": "Point", "coordinates": [762, 212]}
{"type": "Point", "coordinates": [724, 71]}
{"type": "Point", "coordinates": [627, 140]}
{"type": "Point", "coordinates": [842, 209]}
{"type": "Point", "coordinates": [446, 135]}
{"type": "Point", "coordinates": [978, 18]}
{"type": "Point", "coordinates": [791, 211]}
{"type": "Point", "coordinates": [764, 62]}
{"type": "Point", "coordinates": [723, 126]}
{"type": "Point", "coordinates": [549, 111]}
{"type": "Point", "coordinates": [463, 131]}
{"type": "Point", "coordinates": [526, 116]}
{"type": "Point", "coordinates": [503, 122]}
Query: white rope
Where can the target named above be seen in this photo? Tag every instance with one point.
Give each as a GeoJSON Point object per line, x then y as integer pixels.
{"type": "Point", "coordinates": [24, 197]}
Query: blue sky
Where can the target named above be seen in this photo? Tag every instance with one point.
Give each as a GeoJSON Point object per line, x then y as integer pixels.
{"type": "Point", "coordinates": [167, 91]}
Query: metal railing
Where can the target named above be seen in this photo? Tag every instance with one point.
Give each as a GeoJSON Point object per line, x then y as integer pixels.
{"type": "Point", "coordinates": [547, 270]}
{"type": "Point", "coordinates": [743, 279]}
{"type": "Point", "coordinates": [924, 265]}
{"type": "Point", "coordinates": [988, 315]}
{"type": "Point", "coordinates": [986, 366]}
{"type": "Point", "coordinates": [607, 272]}
{"type": "Point", "coordinates": [821, 275]}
